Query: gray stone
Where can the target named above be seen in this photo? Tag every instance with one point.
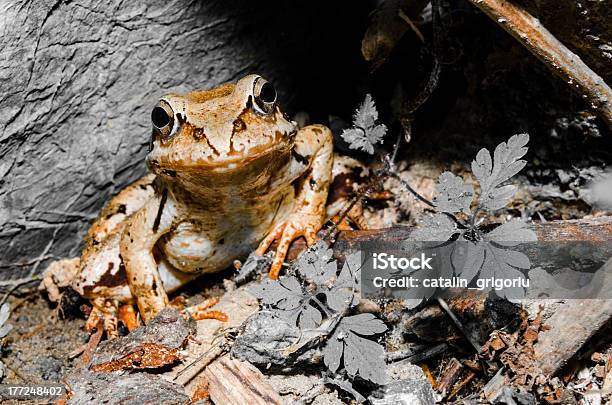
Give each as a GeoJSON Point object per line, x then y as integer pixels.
{"type": "Point", "coordinates": [408, 386]}
{"type": "Point", "coordinates": [262, 340]}
{"type": "Point", "coordinates": [113, 389]}
{"type": "Point", "coordinates": [511, 396]}
{"type": "Point", "coordinates": [167, 330]}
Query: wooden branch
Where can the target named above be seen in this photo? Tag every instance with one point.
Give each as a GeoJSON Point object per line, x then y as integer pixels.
{"type": "Point", "coordinates": [572, 324]}
{"type": "Point", "coordinates": [591, 229]}
{"type": "Point", "coordinates": [542, 43]}
{"type": "Point", "coordinates": [238, 382]}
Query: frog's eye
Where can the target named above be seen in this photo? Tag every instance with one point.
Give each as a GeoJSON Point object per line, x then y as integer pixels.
{"type": "Point", "coordinates": [265, 96]}
{"type": "Point", "coordinates": [162, 118]}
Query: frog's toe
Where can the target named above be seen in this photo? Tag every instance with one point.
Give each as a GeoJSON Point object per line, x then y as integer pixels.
{"type": "Point", "coordinates": [105, 310]}
{"type": "Point", "coordinates": [276, 233]}
{"type": "Point", "coordinates": [93, 320]}
{"type": "Point", "coordinates": [290, 233]}
{"type": "Point", "coordinates": [200, 311]}
{"type": "Point", "coordinates": [128, 316]}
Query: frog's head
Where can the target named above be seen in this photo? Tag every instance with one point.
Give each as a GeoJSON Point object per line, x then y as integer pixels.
{"type": "Point", "coordinates": [219, 129]}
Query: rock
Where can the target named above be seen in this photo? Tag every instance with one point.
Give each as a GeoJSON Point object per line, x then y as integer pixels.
{"type": "Point", "coordinates": [509, 396]}
{"type": "Point", "coordinates": [263, 339]}
{"type": "Point", "coordinates": [408, 386]}
{"type": "Point", "coordinates": [152, 346]}
{"type": "Point", "coordinates": [85, 387]}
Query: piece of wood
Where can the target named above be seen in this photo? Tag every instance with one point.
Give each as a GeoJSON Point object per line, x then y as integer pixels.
{"type": "Point", "coordinates": [495, 385]}
{"type": "Point", "coordinates": [449, 377]}
{"type": "Point", "coordinates": [545, 46]}
{"type": "Point", "coordinates": [424, 355]}
{"type": "Point", "coordinates": [232, 381]}
{"type": "Point", "coordinates": [591, 229]}
{"type": "Point", "coordinates": [572, 324]}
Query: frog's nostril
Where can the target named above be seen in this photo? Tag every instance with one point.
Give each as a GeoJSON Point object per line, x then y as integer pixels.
{"type": "Point", "coordinates": [160, 117]}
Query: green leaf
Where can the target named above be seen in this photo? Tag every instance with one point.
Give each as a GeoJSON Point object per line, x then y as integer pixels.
{"type": "Point", "coordinates": [362, 357]}
{"type": "Point", "coordinates": [316, 264]}
{"type": "Point", "coordinates": [365, 133]}
{"type": "Point", "coordinates": [491, 173]}
{"type": "Point", "coordinates": [511, 233]}
{"type": "Point", "coordinates": [434, 228]}
{"type": "Point", "coordinates": [344, 292]}
{"type": "Point", "coordinates": [453, 195]}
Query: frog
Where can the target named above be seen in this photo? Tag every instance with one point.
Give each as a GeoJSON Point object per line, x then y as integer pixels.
{"type": "Point", "coordinates": [228, 173]}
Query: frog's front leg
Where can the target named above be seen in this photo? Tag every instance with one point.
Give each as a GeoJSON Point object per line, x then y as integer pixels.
{"type": "Point", "coordinates": [141, 234]}
{"type": "Point", "coordinates": [313, 155]}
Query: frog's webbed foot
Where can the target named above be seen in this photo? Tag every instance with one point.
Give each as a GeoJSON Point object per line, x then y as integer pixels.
{"type": "Point", "coordinates": [107, 311]}
{"type": "Point", "coordinates": [298, 224]}
{"type": "Point", "coordinates": [59, 275]}
{"type": "Point", "coordinates": [200, 311]}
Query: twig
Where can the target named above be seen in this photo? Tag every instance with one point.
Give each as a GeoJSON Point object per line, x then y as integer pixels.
{"type": "Point", "coordinates": [458, 324]}
{"type": "Point", "coordinates": [542, 43]}
{"type": "Point", "coordinates": [412, 191]}
{"type": "Point", "coordinates": [404, 354]}
{"type": "Point", "coordinates": [92, 344]}
{"type": "Point", "coordinates": [424, 200]}
{"type": "Point", "coordinates": [461, 385]}
{"type": "Point", "coordinates": [203, 360]}
{"type": "Point", "coordinates": [312, 394]}
{"type": "Point", "coordinates": [412, 26]}
{"type": "Point", "coordinates": [425, 354]}
{"type": "Point", "coordinates": [449, 377]}
{"type": "Point", "coordinates": [15, 285]}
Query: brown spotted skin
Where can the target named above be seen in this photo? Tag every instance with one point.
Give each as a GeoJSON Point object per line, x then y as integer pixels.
{"type": "Point", "coordinates": [229, 173]}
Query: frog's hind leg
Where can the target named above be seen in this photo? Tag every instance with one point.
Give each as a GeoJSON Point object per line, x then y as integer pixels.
{"type": "Point", "coordinates": [59, 275]}
{"type": "Point", "coordinates": [62, 273]}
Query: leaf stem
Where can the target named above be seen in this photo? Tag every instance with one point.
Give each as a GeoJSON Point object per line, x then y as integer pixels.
{"type": "Point", "coordinates": [321, 305]}
{"type": "Point", "coordinates": [408, 187]}
{"type": "Point", "coordinates": [424, 200]}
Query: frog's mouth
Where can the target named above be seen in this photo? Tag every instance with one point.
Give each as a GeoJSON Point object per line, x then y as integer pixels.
{"type": "Point", "coordinates": [234, 161]}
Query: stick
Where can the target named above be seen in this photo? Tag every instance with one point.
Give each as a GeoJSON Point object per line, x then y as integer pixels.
{"type": "Point", "coordinates": [427, 354]}
{"type": "Point", "coordinates": [591, 229]}
{"type": "Point", "coordinates": [239, 382]}
{"type": "Point", "coordinates": [539, 41]}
